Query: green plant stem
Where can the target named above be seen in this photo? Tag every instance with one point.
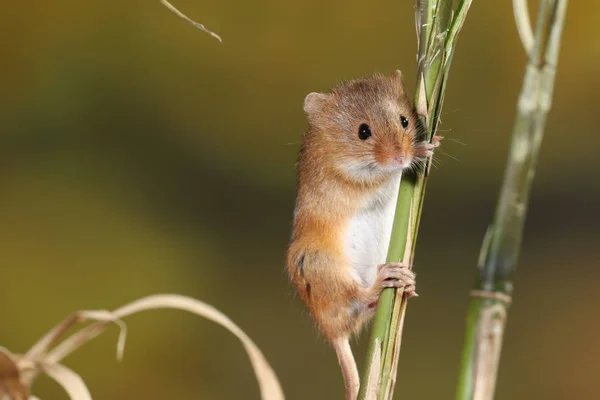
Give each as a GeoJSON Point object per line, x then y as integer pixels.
{"type": "Point", "coordinates": [436, 32]}
{"type": "Point", "coordinates": [500, 251]}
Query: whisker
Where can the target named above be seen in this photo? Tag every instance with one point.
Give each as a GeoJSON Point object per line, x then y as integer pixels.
{"type": "Point", "coordinates": [450, 111]}
{"type": "Point", "coordinates": [448, 155]}
{"type": "Point", "coordinates": [456, 141]}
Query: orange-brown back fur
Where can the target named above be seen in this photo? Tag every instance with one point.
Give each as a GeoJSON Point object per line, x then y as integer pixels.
{"type": "Point", "coordinates": [338, 175]}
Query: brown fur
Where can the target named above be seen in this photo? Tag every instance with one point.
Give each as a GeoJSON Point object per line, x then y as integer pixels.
{"type": "Point", "coordinates": [327, 198]}
{"type": "Point", "coordinates": [338, 173]}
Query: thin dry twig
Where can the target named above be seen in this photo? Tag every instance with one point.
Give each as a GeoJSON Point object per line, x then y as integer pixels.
{"type": "Point", "coordinates": [191, 21]}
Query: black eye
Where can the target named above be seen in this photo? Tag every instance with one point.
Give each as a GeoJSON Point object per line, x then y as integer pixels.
{"type": "Point", "coordinates": [364, 132]}
{"type": "Point", "coordinates": [403, 121]}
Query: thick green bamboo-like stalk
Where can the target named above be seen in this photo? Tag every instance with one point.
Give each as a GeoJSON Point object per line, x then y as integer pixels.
{"type": "Point", "coordinates": [500, 251]}
{"type": "Point", "coordinates": [437, 31]}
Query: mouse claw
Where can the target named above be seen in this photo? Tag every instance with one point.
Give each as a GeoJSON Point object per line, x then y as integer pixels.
{"type": "Point", "coordinates": [425, 148]}
{"type": "Point", "coordinates": [410, 291]}
{"type": "Point", "coordinates": [436, 141]}
{"type": "Point", "coordinates": [395, 275]}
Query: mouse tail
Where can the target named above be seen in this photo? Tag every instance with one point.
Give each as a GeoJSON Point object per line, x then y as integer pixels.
{"type": "Point", "coordinates": [348, 366]}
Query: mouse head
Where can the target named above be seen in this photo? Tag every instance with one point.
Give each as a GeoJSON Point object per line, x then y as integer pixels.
{"type": "Point", "coordinates": [368, 128]}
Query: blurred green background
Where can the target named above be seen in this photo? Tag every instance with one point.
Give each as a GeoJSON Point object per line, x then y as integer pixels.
{"type": "Point", "coordinates": [139, 155]}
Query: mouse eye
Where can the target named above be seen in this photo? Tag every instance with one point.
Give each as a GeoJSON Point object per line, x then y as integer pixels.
{"type": "Point", "coordinates": [364, 132]}
{"type": "Point", "coordinates": [403, 121]}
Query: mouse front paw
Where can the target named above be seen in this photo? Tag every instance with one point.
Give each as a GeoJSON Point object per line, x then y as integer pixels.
{"type": "Point", "coordinates": [425, 148]}
{"type": "Point", "coordinates": [391, 275]}
{"type": "Point", "coordinates": [397, 275]}
{"type": "Point", "coordinates": [436, 141]}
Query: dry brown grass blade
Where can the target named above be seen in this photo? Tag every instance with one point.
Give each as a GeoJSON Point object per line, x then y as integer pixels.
{"type": "Point", "coordinates": [38, 350]}
{"type": "Point", "coordinates": [42, 345]}
{"type": "Point", "coordinates": [269, 385]}
{"type": "Point", "coordinates": [68, 379]}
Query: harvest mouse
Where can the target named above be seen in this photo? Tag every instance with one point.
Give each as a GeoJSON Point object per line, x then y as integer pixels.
{"type": "Point", "coordinates": [360, 138]}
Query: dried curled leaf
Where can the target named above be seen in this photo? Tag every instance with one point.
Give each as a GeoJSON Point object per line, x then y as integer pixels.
{"type": "Point", "coordinates": [38, 350]}
{"type": "Point", "coordinates": [11, 387]}
{"type": "Point", "coordinates": [69, 380]}
{"type": "Point", "coordinates": [17, 372]}
{"type": "Point", "coordinates": [269, 385]}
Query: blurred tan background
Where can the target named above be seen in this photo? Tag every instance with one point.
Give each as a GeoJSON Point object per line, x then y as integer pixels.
{"type": "Point", "coordinates": [139, 155]}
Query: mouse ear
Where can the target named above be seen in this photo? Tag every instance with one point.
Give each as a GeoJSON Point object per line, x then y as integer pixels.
{"type": "Point", "coordinates": [398, 78]}
{"type": "Point", "coordinates": [313, 102]}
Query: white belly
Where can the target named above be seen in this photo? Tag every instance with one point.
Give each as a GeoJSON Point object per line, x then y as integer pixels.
{"type": "Point", "coordinates": [368, 236]}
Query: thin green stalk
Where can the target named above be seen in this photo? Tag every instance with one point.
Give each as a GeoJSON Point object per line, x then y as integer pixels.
{"type": "Point", "coordinates": [500, 251]}
{"type": "Point", "coordinates": [437, 29]}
